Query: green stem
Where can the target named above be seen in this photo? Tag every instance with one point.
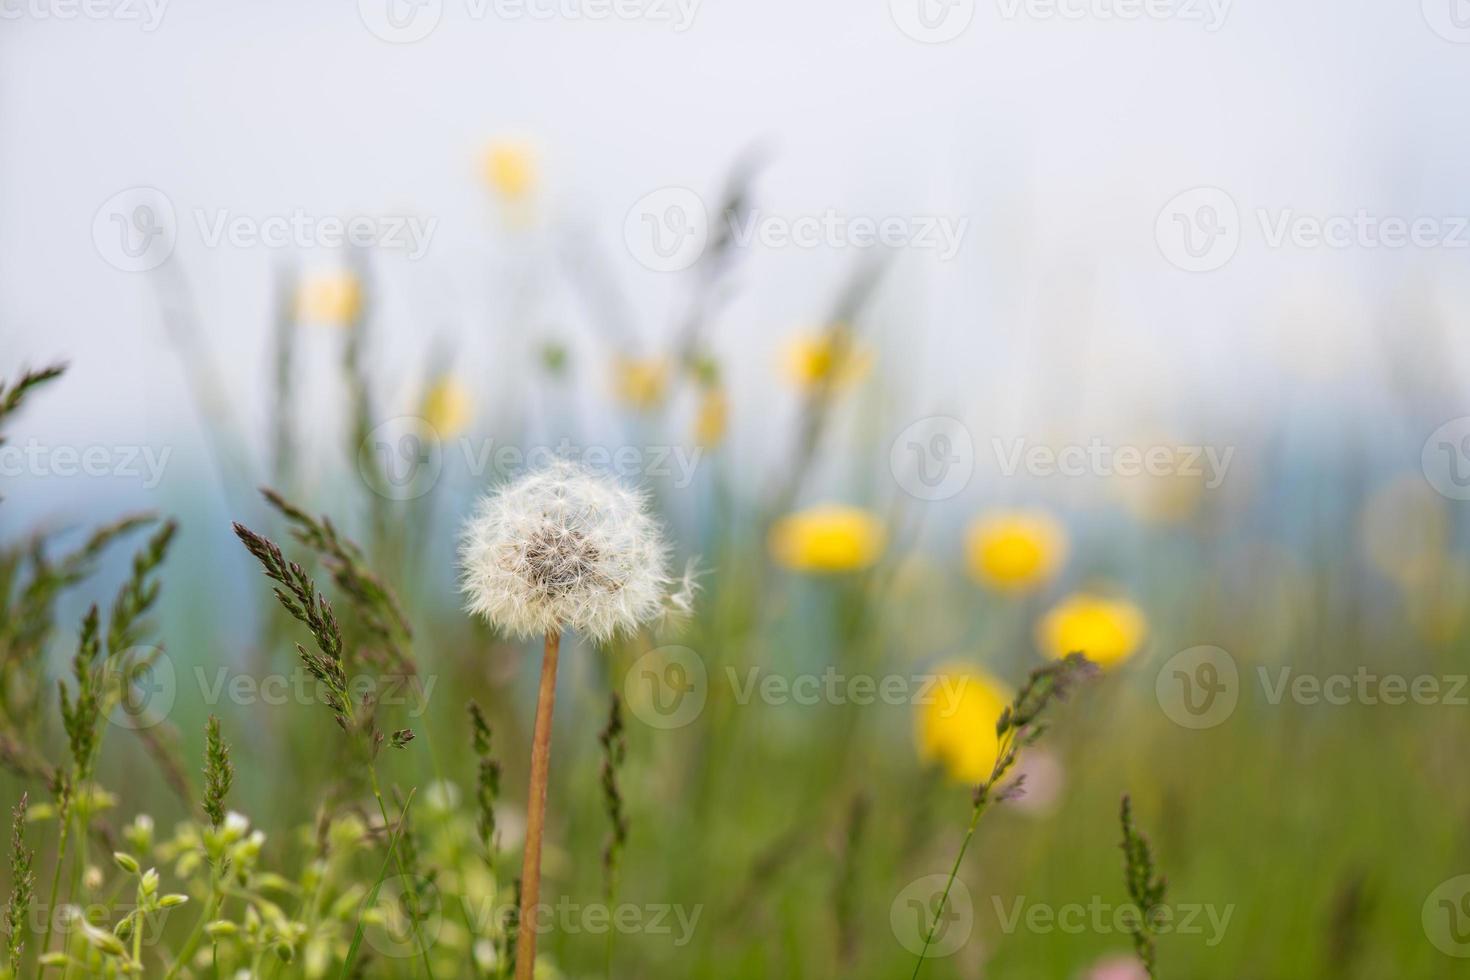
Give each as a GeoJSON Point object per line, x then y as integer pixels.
{"type": "Point", "coordinates": [981, 803]}
{"type": "Point", "coordinates": [55, 885]}
{"type": "Point", "coordinates": [397, 855]}
{"type": "Point", "coordinates": [373, 895]}
{"type": "Point", "coordinates": [211, 906]}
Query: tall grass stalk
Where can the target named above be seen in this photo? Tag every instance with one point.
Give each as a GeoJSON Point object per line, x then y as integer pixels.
{"type": "Point", "coordinates": [1017, 728]}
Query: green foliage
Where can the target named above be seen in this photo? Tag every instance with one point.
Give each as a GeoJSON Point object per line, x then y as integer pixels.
{"type": "Point", "coordinates": [218, 773]}
{"type": "Point", "coordinates": [1144, 888]}
{"type": "Point", "coordinates": [22, 887]}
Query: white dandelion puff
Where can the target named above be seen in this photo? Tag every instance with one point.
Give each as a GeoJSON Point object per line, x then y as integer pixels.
{"type": "Point", "coordinates": [562, 547]}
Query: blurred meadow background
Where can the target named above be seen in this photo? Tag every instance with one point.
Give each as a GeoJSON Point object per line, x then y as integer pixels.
{"type": "Point", "coordinates": [946, 339]}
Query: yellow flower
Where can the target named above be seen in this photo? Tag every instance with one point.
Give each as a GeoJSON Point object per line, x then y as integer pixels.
{"type": "Point", "coordinates": [1437, 605]}
{"type": "Point", "coordinates": [829, 357]}
{"type": "Point", "coordinates": [510, 169]}
{"type": "Point", "coordinates": [1171, 494]}
{"type": "Point", "coordinates": [1108, 631]}
{"type": "Point", "coordinates": [640, 382]}
{"type": "Point", "coordinates": [956, 727]}
{"type": "Point", "coordinates": [1405, 526]}
{"type": "Point", "coordinates": [712, 418]}
{"type": "Point", "coordinates": [828, 538]}
{"type": "Point", "coordinates": [330, 298]}
{"type": "Point", "coordinates": [1015, 551]}
{"type": "Point", "coordinates": [446, 407]}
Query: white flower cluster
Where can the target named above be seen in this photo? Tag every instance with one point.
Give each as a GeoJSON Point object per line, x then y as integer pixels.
{"type": "Point", "coordinates": [564, 548]}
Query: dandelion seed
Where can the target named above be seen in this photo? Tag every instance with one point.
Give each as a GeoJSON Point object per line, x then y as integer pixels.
{"type": "Point", "coordinates": [562, 548]}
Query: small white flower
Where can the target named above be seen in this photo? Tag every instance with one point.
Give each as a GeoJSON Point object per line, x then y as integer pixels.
{"type": "Point", "coordinates": [560, 548]}
{"type": "Point", "coordinates": [441, 796]}
{"type": "Point", "coordinates": [235, 826]}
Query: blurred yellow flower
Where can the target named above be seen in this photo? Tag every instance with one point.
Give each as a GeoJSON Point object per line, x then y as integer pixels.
{"type": "Point", "coordinates": [1108, 631]}
{"type": "Point", "coordinates": [1172, 498]}
{"type": "Point", "coordinates": [446, 407]}
{"type": "Point", "coordinates": [1015, 551]}
{"type": "Point", "coordinates": [712, 417]}
{"type": "Point", "coordinates": [510, 169]}
{"type": "Point", "coordinates": [1437, 604]}
{"type": "Point", "coordinates": [956, 725]}
{"type": "Point", "coordinates": [828, 538]}
{"type": "Point", "coordinates": [1405, 528]}
{"type": "Point", "coordinates": [329, 298]}
{"type": "Point", "coordinates": [640, 382]}
{"type": "Point", "coordinates": [830, 357]}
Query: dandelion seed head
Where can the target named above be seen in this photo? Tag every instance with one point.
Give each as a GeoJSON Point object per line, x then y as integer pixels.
{"type": "Point", "coordinates": [562, 547]}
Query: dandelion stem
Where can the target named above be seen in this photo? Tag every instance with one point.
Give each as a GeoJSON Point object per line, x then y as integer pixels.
{"type": "Point", "coordinates": [536, 811]}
